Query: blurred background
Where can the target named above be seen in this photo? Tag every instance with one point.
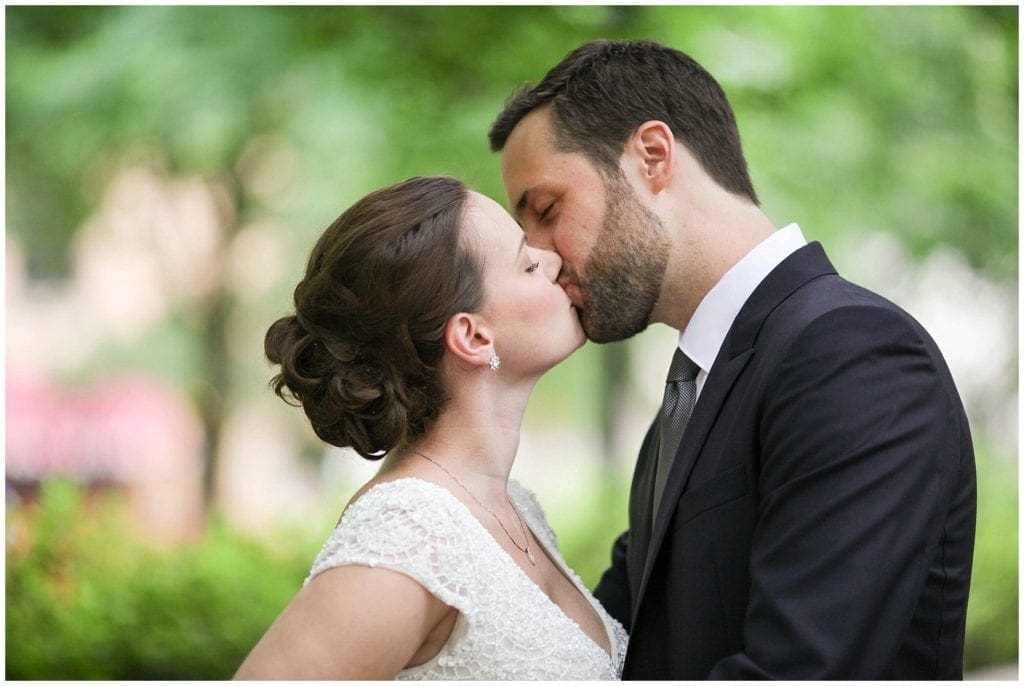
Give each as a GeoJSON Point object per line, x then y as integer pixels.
{"type": "Point", "coordinates": [168, 169]}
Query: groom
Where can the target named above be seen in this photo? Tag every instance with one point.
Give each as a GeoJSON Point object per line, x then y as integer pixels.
{"type": "Point", "coordinates": [803, 507]}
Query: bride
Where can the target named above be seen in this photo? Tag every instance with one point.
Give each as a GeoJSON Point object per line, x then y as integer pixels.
{"type": "Point", "coordinates": [421, 326]}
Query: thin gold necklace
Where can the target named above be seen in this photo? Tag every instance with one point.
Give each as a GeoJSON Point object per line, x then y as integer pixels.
{"type": "Point", "coordinates": [526, 536]}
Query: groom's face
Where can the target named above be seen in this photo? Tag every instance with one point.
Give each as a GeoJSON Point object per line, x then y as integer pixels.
{"type": "Point", "coordinates": [614, 250]}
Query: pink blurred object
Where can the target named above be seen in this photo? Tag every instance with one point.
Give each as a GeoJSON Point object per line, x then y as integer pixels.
{"type": "Point", "coordinates": [114, 431]}
{"type": "Point", "coordinates": [129, 430]}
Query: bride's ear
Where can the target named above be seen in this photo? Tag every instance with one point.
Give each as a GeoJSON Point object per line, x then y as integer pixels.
{"type": "Point", "coordinates": [469, 340]}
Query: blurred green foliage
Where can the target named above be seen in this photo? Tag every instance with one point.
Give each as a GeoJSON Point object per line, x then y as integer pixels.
{"type": "Point", "coordinates": [85, 600]}
{"type": "Point", "coordinates": [992, 610]}
{"type": "Point", "coordinates": [854, 120]}
{"type": "Point", "coordinates": [901, 119]}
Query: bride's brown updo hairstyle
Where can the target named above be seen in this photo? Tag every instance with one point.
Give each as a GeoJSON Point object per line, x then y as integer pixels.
{"type": "Point", "coordinates": [362, 352]}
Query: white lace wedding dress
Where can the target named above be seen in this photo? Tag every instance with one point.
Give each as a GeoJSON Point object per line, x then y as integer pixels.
{"type": "Point", "coordinates": [507, 628]}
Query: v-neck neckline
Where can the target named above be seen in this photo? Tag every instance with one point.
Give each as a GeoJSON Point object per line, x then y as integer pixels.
{"type": "Point", "coordinates": [555, 558]}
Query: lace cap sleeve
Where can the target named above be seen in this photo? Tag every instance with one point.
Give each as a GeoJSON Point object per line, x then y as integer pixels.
{"type": "Point", "coordinates": [408, 526]}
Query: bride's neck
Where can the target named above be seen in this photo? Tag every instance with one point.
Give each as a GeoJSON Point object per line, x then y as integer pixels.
{"type": "Point", "coordinates": [476, 438]}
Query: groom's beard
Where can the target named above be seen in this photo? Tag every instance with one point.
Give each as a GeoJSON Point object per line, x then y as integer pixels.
{"type": "Point", "coordinates": [621, 280]}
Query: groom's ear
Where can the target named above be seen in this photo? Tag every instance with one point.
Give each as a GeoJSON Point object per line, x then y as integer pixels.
{"type": "Point", "coordinates": [653, 149]}
{"type": "Point", "coordinates": [469, 340]}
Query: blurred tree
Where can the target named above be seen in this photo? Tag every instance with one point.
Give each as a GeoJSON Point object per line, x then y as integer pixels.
{"type": "Point", "coordinates": [900, 119]}
{"type": "Point", "coordinates": [861, 100]}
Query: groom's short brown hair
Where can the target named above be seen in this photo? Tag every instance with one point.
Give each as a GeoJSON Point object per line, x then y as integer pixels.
{"type": "Point", "coordinates": [603, 90]}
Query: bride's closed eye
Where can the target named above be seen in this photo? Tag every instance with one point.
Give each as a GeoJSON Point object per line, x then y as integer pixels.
{"type": "Point", "coordinates": [532, 268]}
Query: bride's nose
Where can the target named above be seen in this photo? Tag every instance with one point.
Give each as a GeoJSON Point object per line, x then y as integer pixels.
{"type": "Point", "coordinates": [552, 264]}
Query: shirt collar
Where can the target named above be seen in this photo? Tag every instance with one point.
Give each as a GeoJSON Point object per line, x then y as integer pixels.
{"type": "Point", "coordinates": [704, 335]}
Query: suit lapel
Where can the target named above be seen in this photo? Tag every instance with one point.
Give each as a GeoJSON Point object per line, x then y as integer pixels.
{"type": "Point", "coordinates": [705, 412]}
{"type": "Point", "coordinates": [806, 264]}
{"type": "Point", "coordinates": [640, 518]}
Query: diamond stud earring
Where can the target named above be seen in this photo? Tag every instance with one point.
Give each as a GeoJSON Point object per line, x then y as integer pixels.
{"type": "Point", "coordinates": [494, 362]}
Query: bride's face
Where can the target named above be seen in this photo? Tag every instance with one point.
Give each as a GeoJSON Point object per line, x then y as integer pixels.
{"type": "Point", "coordinates": [534, 324]}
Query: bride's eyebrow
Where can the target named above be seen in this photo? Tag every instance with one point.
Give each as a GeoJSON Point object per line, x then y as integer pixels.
{"type": "Point", "coordinates": [522, 244]}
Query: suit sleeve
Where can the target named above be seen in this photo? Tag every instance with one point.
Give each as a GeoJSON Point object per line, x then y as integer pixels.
{"type": "Point", "coordinates": [613, 589]}
{"type": "Point", "coordinates": [858, 435]}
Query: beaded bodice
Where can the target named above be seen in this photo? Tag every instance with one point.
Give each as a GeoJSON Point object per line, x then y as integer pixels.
{"type": "Point", "coordinates": [507, 628]}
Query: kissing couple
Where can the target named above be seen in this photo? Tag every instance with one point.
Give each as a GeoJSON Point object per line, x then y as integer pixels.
{"type": "Point", "coordinates": [803, 504]}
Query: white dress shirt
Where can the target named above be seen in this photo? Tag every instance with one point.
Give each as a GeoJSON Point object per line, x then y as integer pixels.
{"type": "Point", "coordinates": [703, 336]}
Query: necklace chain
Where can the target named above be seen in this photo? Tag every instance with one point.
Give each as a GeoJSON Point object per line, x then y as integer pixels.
{"type": "Point", "coordinates": [522, 527]}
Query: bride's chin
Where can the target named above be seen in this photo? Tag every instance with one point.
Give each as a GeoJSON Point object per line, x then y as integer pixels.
{"type": "Point", "coordinates": [571, 346]}
{"type": "Point", "coordinates": [576, 345]}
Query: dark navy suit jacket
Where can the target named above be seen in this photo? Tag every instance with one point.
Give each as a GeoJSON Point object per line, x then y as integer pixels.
{"type": "Point", "coordinates": [818, 520]}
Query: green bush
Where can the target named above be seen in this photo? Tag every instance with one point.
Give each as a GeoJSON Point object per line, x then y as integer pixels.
{"type": "Point", "coordinates": [992, 607]}
{"type": "Point", "coordinates": [86, 601]}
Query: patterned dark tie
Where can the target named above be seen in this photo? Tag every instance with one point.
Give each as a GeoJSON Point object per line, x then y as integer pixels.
{"type": "Point", "coordinates": [680, 396]}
